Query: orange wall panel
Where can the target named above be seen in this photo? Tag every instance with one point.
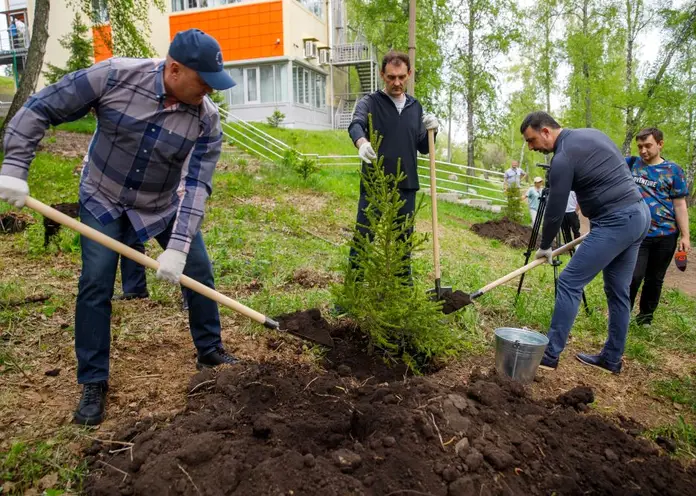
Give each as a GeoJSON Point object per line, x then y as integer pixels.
{"type": "Point", "coordinates": [101, 42]}
{"type": "Point", "coordinates": [243, 31]}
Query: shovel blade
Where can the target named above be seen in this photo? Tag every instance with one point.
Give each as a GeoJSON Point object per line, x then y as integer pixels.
{"type": "Point", "coordinates": [456, 301]}
{"type": "Point", "coordinates": [316, 335]}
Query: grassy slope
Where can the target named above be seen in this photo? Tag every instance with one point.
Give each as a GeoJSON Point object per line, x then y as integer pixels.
{"type": "Point", "coordinates": [6, 85]}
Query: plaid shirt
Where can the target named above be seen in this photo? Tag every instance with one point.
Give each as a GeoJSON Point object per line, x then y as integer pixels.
{"type": "Point", "coordinates": [140, 152]}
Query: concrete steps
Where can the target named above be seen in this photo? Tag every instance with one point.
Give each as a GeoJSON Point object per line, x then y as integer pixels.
{"type": "Point", "coordinates": [457, 198]}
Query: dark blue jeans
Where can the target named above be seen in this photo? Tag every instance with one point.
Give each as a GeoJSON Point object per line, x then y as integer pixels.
{"type": "Point", "coordinates": [611, 247]}
{"type": "Point", "coordinates": [132, 273]}
{"type": "Point", "coordinates": [133, 279]}
{"type": "Point", "coordinates": [96, 287]}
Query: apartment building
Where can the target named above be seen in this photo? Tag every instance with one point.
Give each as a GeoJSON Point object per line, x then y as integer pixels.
{"type": "Point", "coordinates": [292, 55]}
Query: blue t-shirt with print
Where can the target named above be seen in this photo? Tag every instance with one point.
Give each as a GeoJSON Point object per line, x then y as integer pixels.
{"type": "Point", "coordinates": [659, 184]}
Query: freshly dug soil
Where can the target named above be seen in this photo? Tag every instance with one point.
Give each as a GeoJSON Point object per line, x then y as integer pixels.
{"type": "Point", "coordinates": [507, 231]}
{"type": "Point", "coordinates": [275, 429]}
{"type": "Point", "coordinates": [308, 324]}
{"type": "Point", "coordinates": [455, 300]}
{"type": "Point", "coordinates": [13, 222]}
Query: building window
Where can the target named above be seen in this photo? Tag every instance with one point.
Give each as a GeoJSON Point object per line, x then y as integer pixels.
{"type": "Point", "coordinates": [258, 84]}
{"type": "Point", "coordinates": [309, 87]}
{"type": "Point", "coordinates": [179, 5]}
{"type": "Point", "coordinates": [316, 7]}
{"type": "Point", "coordinates": [101, 11]}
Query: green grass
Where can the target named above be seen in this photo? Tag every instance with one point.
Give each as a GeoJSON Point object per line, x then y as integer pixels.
{"type": "Point", "coordinates": [86, 125]}
{"type": "Point", "coordinates": [7, 85]}
{"type": "Point", "coordinates": [26, 465]}
{"type": "Point", "coordinates": [681, 390]}
{"type": "Point", "coordinates": [683, 433]}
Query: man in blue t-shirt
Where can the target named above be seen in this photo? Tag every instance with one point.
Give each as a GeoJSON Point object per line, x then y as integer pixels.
{"type": "Point", "coordinates": [663, 186]}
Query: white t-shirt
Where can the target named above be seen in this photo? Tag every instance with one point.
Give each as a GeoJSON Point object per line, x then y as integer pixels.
{"type": "Point", "coordinates": [572, 202]}
{"type": "Point", "coordinates": [399, 102]}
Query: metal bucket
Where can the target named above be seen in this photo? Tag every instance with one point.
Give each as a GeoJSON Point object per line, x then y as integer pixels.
{"type": "Point", "coordinates": [518, 352]}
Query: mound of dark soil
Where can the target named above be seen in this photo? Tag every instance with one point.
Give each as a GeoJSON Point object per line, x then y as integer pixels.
{"type": "Point", "coordinates": [274, 429]}
{"type": "Point", "coordinates": [505, 230]}
{"type": "Point", "coordinates": [13, 222]}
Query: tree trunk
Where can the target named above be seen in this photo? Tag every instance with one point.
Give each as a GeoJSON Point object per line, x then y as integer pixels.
{"type": "Point", "coordinates": [628, 83]}
{"type": "Point", "coordinates": [34, 62]}
{"type": "Point", "coordinates": [470, 98]}
{"type": "Point", "coordinates": [586, 66]}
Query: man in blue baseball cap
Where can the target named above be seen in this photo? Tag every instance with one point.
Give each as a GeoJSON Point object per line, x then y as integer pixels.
{"type": "Point", "coordinates": [147, 174]}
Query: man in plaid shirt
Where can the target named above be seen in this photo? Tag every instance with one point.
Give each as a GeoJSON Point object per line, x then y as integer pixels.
{"type": "Point", "coordinates": [148, 174]}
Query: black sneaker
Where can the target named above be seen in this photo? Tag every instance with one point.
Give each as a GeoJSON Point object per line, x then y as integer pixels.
{"type": "Point", "coordinates": [548, 363]}
{"type": "Point", "coordinates": [599, 362]}
{"type": "Point", "coordinates": [131, 296]}
{"type": "Point", "coordinates": [90, 411]}
{"type": "Point", "coordinates": [215, 358]}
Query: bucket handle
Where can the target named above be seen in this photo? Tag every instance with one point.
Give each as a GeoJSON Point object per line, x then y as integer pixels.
{"type": "Point", "coordinates": [515, 345]}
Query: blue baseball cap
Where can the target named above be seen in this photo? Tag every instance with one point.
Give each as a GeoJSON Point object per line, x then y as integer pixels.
{"type": "Point", "coordinates": [201, 52]}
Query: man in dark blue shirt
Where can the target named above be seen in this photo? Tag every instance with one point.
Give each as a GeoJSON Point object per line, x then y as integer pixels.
{"type": "Point", "coordinates": [588, 162]}
{"type": "Point", "coordinates": [662, 184]}
{"type": "Point", "coordinates": [399, 119]}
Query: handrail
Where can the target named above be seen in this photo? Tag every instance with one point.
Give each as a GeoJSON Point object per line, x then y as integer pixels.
{"type": "Point", "coordinates": [255, 130]}
{"type": "Point", "coordinates": [465, 192]}
{"type": "Point", "coordinates": [487, 171]}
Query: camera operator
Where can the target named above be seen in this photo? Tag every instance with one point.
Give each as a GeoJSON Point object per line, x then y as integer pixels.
{"type": "Point", "coordinates": [588, 162]}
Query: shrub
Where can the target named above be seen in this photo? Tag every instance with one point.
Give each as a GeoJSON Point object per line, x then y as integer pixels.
{"type": "Point", "coordinates": [378, 292]}
{"type": "Point", "coordinates": [276, 118]}
{"type": "Point", "coordinates": [513, 209]}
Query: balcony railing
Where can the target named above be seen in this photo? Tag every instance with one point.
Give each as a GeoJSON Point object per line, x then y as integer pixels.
{"type": "Point", "coordinates": [13, 41]}
{"type": "Point", "coordinates": [351, 52]}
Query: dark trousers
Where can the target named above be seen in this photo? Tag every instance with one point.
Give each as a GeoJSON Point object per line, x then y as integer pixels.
{"type": "Point", "coordinates": [132, 273]}
{"type": "Point", "coordinates": [408, 208]}
{"type": "Point", "coordinates": [654, 257]}
{"type": "Point", "coordinates": [133, 279]}
{"type": "Point", "coordinates": [96, 287]}
{"type": "Point", "coordinates": [573, 220]}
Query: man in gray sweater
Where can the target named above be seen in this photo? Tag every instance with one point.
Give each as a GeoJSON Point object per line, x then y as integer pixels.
{"type": "Point", "coordinates": [588, 162]}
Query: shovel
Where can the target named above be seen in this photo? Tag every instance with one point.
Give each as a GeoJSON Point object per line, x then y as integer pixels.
{"type": "Point", "coordinates": [459, 299]}
{"type": "Point", "coordinates": [53, 214]}
{"type": "Point", "coordinates": [440, 292]}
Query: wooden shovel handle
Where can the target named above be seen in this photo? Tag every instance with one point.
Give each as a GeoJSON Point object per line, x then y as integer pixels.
{"type": "Point", "coordinates": [529, 266]}
{"type": "Point", "coordinates": [433, 200]}
{"type": "Point", "coordinates": [143, 259]}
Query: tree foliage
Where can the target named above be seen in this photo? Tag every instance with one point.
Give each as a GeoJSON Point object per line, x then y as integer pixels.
{"type": "Point", "coordinates": [79, 44]}
{"type": "Point", "coordinates": [129, 21]}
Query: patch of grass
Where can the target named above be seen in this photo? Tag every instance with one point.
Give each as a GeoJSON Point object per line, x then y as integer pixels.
{"type": "Point", "coordinates": [86, 125]}
{"type": "Point", "coordinates": [27, 465]}
{"type": "Point", "coordinates": [680, 390]}
{"type": "Point", "coordinates": [7, 85]}
{"type": "Point", "coordinates": [682, 432]}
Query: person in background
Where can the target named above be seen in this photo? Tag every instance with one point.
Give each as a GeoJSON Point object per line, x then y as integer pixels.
{"type": "Point", "coordinates": [513, 175]}
{"type": "Point", "coordinates": [662, 183]}
{"type": "Point", "coordinates": [571, 214]}
{"type": "Point", "coordinates": [533, 196]}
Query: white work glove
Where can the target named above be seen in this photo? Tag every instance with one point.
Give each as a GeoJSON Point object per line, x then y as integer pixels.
{"type": "Point", "coordinates": [547, 254]}
{"type": "Point", "coordinates": [172, 264]}
{"type": "Point", "coordinates": [366, 152]}
{"type": "Point", "coordinates": [430, 121]}
{"type": "Point", "coordinates": [13, 190]}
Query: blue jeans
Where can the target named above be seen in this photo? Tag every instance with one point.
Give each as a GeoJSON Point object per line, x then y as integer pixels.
{"type": "Point", "coordinates": [133, 279]}
{"type": "Point", "coordinates": [96, 287]}
{"type": "Point", "coordinates": [132, 273]}
{"type": "Point", "coordinates": [612, 247]}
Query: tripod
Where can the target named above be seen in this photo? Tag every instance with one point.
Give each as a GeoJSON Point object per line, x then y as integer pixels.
{"type": "Point", "coordinates": [565, 233]}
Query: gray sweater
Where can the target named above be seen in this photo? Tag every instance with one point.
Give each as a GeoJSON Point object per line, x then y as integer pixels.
{"type": "Point", "coordinates": [588, 162]}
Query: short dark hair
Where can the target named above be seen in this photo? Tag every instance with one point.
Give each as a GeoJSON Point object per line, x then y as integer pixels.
{"type": "Point", "coordinates": [396, 58]}
{"type": "Point", "coordinates": [538, 119]}
{"type": "Point", "coordinates": [644, 134]}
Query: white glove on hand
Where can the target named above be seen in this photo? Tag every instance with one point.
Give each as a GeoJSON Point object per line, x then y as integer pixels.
{"type": "Point", "coordinates": [13, 190]}
{"type": "Point", "coordinates": [547, 254]}
{"type": "Point", "coordinates": [366, 152]}
{"type": "Point", "coordinates": [430, 121]}
{"type": "Point", "coordinates": [172, 264]}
